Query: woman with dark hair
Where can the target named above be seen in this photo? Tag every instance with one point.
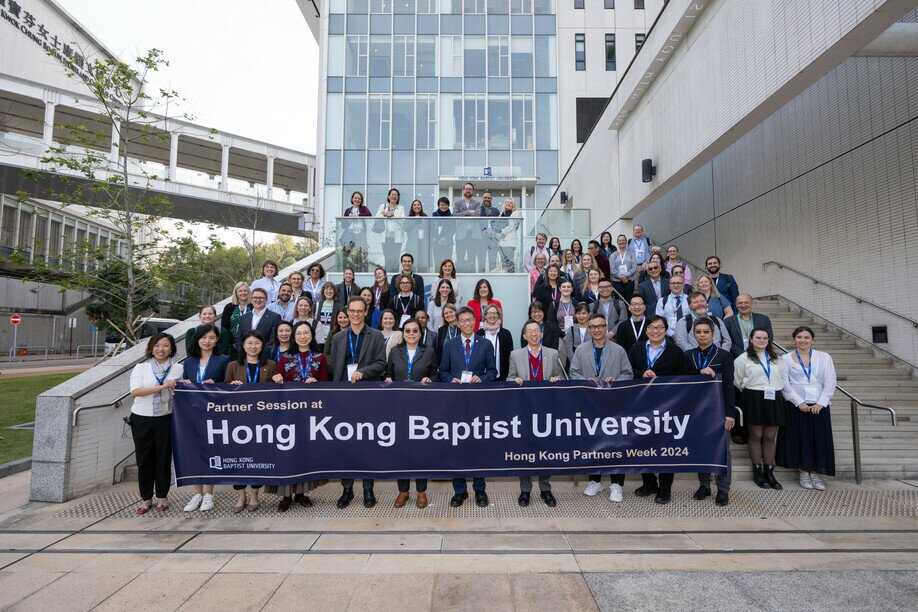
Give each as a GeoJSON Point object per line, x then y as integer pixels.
{"type": "Point", "coordinates": [482, 297]}
{"type": "Point", "coordinates": [443, 295]}
{"type": "Point", "coordinates": [449, 329]}
{"type": "Point", "coordinates": [577, 250]}
{"type": "Point", "coordinates": [268, 280]}
{"type": "Point", "coordinates": [411, 361]}
{"type": "Point", "coordinates": [347, 287]}
{"type": "Point", "coordinates": [252, 367]}
{"type": "Point", "coordinates": [387, 325]}
{"type": "Point", "coordinates": [672, 259]}
{"type": "Point", "coordinates": [605, 244]}
{"type": "Point", "coordinates": [372, 318]}
{"type": "Point", "coordinates": [283, 335]}
{"type": "Point", "coordinates": [577, 333]}
{"type": "Point", "coordinates": [152, 382]}
{"type": "Point", "coordinates": [448, 271]}
{"type": "Point", "coordinates": [303, 363]}
{"type": "Point", "coordinates": [442, 232]}
{"type": "Point", "coordinates": [548, 288]}
{"type": "Point", "coordinates": [208, 316]}
{"type": "Point", "coordinates": [501, 339]}
{"type": "Point", "coordinates": [354, 234]}
{"type": "Point", "coordinates": [205, 365]}
{"type": "Point", "coordinates": [760, 375]}
{"type": "Point", "coordinates": [326, 312]}
{"type": "Point", "coordinates": [416, 235]}
{"type": "Point", "coordinates": [381, 289]}
{"type": "Point", "coordinates": [392, 236]}
{"type": "Point", "coordinates": [561, 312]}
{"type": "Point", "coordinates": [806, 441]}
{"type": "Point", "coordinates": [341, 322]}
{"type": "Point", "coordinates": [314, 282]}
{"type": "Point", "coordinates": [554, 247]}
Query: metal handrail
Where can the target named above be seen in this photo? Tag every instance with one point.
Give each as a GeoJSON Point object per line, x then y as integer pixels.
{"type": "Point", "coordinates": [27, 348]}
{"type": "Point", "coordinates": [858, 299]}
{"type": "Point", "coordinates": [115, 403]}
{"type": "Point", "coordinates": [95, 349]}
{"type": "Point", "coordinates": [855, 425]}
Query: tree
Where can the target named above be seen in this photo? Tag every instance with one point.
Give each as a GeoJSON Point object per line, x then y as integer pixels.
{"type": "Point", "coordinates": [114, 188]}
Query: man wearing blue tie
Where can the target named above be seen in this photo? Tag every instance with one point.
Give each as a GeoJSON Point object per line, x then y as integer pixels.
{"type": "Point", "coordinates": [675, 305]}
{"type": "Point", "coordinates": [468, 358]}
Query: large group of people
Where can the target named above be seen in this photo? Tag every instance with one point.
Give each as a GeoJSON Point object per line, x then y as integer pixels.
{"type": "Point", "coordinates": [622, 309]}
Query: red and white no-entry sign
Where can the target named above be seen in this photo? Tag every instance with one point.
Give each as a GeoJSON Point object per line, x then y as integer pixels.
{"type": "Point", "coordinates": [15, 319]}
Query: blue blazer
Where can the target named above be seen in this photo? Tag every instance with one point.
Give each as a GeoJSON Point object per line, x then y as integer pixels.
{"type": "Point", "coordinates": [215, 370]}
{"type": "Point", "coordinates": [482, 362]}
{"type": "Point", "coordinates": [728, 288]}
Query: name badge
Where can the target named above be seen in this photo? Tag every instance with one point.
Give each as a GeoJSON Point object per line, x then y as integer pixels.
{"type": "Point", "coordinates": [745, 344]}
{"type": "Point", "coordinates": [401, 321]}
{"type": "Point", "coordinates": [811, 393]}
{"type": "Point", "coordinates": [623, 270]}
{"type": "Point", "coordinates": [466, 376]}
{"type": "Point", "coordinates": [568, 322]}
{"type": "Point", "coordinates": [769, 393]}
{"type": "Point", "coordinates": [351, 370]}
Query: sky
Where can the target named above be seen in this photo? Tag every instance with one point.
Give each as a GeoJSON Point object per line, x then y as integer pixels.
{"type": "Point", "coordinates": [250, 68]}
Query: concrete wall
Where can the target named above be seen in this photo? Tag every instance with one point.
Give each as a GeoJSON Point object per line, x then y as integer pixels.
{"type": "Point", "coordinates": [826, 185]}
{"type": "Point", "coordinates": [41, 306]}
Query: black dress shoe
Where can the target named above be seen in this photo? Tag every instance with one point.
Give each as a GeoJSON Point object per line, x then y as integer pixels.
{"type": "Point", "coordinates": [481, 499]}
{"type": "Point", "coordinates": [369, 499]}
{"type": "Point", "coordinates": [458, 498]}
{"type": "Point", "coordinates": [346, 496]}
{"type": "Point", "coordinates": [722, 499]}
{"type": "Point", "coordinates": [523, 499]}
{"type": "Point", "coordinates": [663, 496]}
{"type": "Point", "coordinates": [702, 492]}
{"type": "Point", "coordinates": [548, 498]}
{"type": "Point", "coordinates": [645, 491]}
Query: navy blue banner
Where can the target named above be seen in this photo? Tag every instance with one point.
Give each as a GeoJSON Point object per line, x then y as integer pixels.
{"type": "Point", "coordinates": [273, 434]}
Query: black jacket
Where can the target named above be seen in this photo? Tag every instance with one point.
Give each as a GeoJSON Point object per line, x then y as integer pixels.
{"type": "Point", "coordinates": [624, 335]}
{"type": "Point", "coordinates": [670, 363]}
{"type": "Point", "coordinates": [721, 363]}
{"type": "Point", "coordinates": [425, 364]}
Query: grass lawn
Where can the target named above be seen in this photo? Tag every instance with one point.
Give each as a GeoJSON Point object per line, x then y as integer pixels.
{"type": "Point", "coordinates": [17, 405]}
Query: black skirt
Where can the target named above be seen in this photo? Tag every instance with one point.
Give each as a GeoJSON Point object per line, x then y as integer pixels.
{"type": "Point", "coordinates": [805, 442]}
{"type": "Point", "coordinates": [759, 411]}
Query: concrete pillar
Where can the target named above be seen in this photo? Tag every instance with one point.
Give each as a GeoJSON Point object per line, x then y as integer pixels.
{"type": "Point", "coordinates": [270, 178]}
{"type": "Point", "coordinates": [224, 168]}
{"type": "Point", "coordinates": [113, 152]}
{"type": "Point", "coordinates": [47, 135]}
{"type": "Point", "coordinates": [523, 198]}
{"type": "Point", "coordinates": [173, 155]}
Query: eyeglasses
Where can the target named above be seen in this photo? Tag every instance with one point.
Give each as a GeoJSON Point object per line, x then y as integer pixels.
{"type": "Point", "coordinates": [258, 298]}
{"type": "Point", "coordinates": [411, 331]}
{"type": "Point", "coordinates": [656, 327]}
{"type": "Point", "coordinates": [596, 327]}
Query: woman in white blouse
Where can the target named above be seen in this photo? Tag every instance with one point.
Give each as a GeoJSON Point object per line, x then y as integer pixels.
{"type": "Point", "coordinates": [806, 441]}
{"type": "Point", "coordinates": [759, 374]}
{"type": "Point", "coordinates": [152, 383]}
{"type": "Point", "coordinates": [444, 294]}
{"type": "Point", "coordinates": [392, 235]}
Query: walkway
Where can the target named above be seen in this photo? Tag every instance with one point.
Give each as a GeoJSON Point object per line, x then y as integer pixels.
{"type": "Point", "coordinates": [846, 548]}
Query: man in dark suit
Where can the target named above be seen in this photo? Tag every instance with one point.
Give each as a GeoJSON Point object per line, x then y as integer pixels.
{"type": "Point", "coordinates": [468, 358]}
{"type": "Point", "coordinates": [407, 262]}
{"type": "Point", "coordinates": [655, 288]}
{"type": "Point", "coordinates": [465, 230]}
{"type": "Point", "coordinates": [631, 330]}
{"type": "Point", "coordinates": [260, 319]}
{"type": "Point", "coordinates": [740, 325]}
{"type": "Point", "coordinates": [357, 354]}
{"type": "Point", "coordinates": [726, 284]}
{"type": "Point", "coordinates": [487, 246]}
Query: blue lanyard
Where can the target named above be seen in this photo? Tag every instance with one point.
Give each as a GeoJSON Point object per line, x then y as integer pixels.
{"type": "Point", "coordinates": [806, 371]}
{"type": "Point", "coordinates": [768, 370]}
{"type": "Point", "coordinates": [248, 374]}
{"type": "Point", "coordinates": [307, 369]}
{"type": "Point", "coordinates": [468, 352]}
{"type": "Point", "coordinates": [411, 359]}
{"type": "Point", "coordinates": [202, 368]}
{"type": "Point", "coordinates": [276, 354]}
{"type": "Point", "coordinates": [534, 373]}
{"type": "Point", "coordinates": [353, 344]}
{"type": "Point", "coordinates": [651, 363]}
{"type": "Point", "coordinates": [161, 380]}
{"type": "Point", "coordinates": [451, 332]}
{"type": "Point", "coordinates": [707, 360]}
{"type": "Point", "coordinates": [598, 356]}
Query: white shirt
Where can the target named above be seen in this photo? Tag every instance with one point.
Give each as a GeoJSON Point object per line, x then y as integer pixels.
{"type": "Point", "coordinates": [822, 375]}
{"type": "Point", "coordinates": [750, 373]}
{"type": "Point", "coordinates": [142, 376]}
{"type": "Point", "coordinates": [670, 311]}
{"type": "Point", "coordinates": [270, 285]}
{"type": "Point", "coordinates": [256, 317]}
{"type": "Point", "coordinates": [492, 336]}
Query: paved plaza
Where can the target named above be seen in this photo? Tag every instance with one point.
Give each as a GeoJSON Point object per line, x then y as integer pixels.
{"type": "Point", "coordinates": [849, 548]}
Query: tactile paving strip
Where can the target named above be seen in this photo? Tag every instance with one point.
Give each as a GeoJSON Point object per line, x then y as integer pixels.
{"type": "Point", "coordinates": [842, 503]}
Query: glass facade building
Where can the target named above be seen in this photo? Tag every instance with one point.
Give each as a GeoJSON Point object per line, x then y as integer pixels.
{"type": "Point", "coordinates": [423, 95]}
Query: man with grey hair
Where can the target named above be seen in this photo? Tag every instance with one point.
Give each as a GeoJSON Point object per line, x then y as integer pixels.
{"type": "Point", "coordinates": [740, 325]}
{"type": "Point", "coordinates": [685, 337]}
{"type": "Point", "coordinates": [639, 245]}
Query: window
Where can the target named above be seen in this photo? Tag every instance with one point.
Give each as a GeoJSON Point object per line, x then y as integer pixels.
{"type": "Point", "coordinates": [609, 4]}
{"type": "Point", "coordinates": [521, 56]}
{"type": "Point", "coordinates": [580, 51]}
{"type": "Point", "coordinates": [498, 7]}
{"type": "Point", "coordinates": [474, 121]}
{"type": "Point", "coordinates": [578, 4]}
{"type": "Point", "coordinates": [380, 6]}
{"type": "Point", "coordinates": [380, 56]}
{"type": "Point", "coordinates": [426, 56]}
{"type": "Point", "coordinates": [521, 7]}
{"type": "Point", "coordinates": [426, 121]}
{"type": "Point", "coordinates": [475, 56]}
{"type": "Point", "coordinates": [521, 128]}
{"type": "Point", "coordinates": [403, 55]}
{"type": "Point", "coordinates": [428, 6]}
{"type": "Point", "coordinates": [451, 56]}
{"type": "Point", "coordinates": [588, 112]}
{"type": "Point", "coordinates": [378, 122]}
{"type": "Point", "coordinates": [356, 56]}
{"type": "Point", "coordinates": [498, 122]}
{"type": "Point", "coordinates": [403, 122]}
{"type": "Point", "coordinates": [355, 122]}
{"type": "Point", "coordinates": [638, 4]}
{"type": "Point", "coordinates": [639, 41]}
{"type": "Point", "coordinates": [610, 52]}
{"type": "Point", "coordinates": [474, 7]}
{"type": "Point", "coordinates": [498, 56]}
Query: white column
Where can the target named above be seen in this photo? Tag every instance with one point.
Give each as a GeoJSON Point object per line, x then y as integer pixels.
{"type": "Point", "coordinates": [270, 177]}
{"type": "Point", "coordinates": [47, 135]}
{"type": "Point", "coordinates": [113, 152]}
{"type": "Point", "coordinates": [173, 155]}
{"type": "Point", "coordinates": [523, 197]}
{"type": "Point", "coordinates": [224, 168]}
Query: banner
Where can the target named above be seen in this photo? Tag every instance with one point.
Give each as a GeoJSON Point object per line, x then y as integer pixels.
{"type": "Point", "coordinates": [284, 434]}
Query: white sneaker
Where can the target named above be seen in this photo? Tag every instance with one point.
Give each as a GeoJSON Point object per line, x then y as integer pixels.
{"type": "Point", "coordinates": [615, 493]}
{"type": "Point", "coordinates": [193, 503]}
{"type": "Point", "coordinates": [805, 480]}
{"type": "Point", "coordinates": [592, 488]}
{"type": "Point", "coordinates": [208, 502]}
{"type": "Point", "coordinates": [818, 484]}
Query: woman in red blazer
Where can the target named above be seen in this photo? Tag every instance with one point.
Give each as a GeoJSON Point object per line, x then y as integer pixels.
{"type": "Point", "coordinates": [483, 296]}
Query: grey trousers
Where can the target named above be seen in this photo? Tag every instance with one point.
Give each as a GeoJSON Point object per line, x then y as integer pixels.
{"type": "Point", "coordinates": [722, 480]}
{"type": "Point", "coordinates": [526, 483]}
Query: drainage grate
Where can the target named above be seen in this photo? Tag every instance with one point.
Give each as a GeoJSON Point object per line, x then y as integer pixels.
{"type": "Point", "coordinates": [850, 503]}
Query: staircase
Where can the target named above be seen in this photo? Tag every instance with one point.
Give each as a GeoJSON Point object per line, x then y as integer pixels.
{"type": "Point", "coordinates": [886, 451]}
